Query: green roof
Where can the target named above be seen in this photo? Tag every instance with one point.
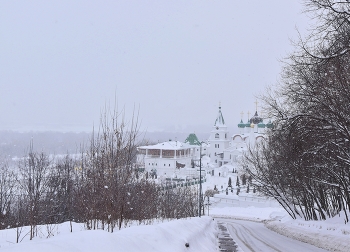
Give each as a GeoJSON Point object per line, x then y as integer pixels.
{"type": "Point", "coordinates": [241, 124]}
{"type": "Point", "coordinates": [261, 125]}
{"type": "Point", "coordinates": [269, 125]}
{"type": "Point", "coordinates": [192, 139]}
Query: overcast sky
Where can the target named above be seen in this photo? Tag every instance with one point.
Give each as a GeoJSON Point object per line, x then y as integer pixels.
{"type": "Point", "coordinates": [61, 61]}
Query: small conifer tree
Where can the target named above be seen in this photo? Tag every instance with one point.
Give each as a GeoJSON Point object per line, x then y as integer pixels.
{"type": "Point", "coordinates": [248, 188]}
{"type": "Point", "coordinates": [237, 182]}
{"type": "Point", "coordinates": [244, 179]}
{"type": "Point", "coordinates": [229, 182]}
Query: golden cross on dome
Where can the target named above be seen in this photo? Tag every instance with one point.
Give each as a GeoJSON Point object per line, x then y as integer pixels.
{"type": "Point", "coordinates": [242, 115]}
{"type": "Point", "coordinates": [248, 114]}
{"type": "Point", "coordinates": [256, 105]}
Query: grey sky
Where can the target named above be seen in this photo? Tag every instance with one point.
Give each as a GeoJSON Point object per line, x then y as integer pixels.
{"type": "Point", "coordinates": [60, 61]}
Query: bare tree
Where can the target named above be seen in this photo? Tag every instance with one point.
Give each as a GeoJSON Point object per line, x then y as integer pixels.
{"type": "Point", "coordinates": [304, 163]}
{"type": "Point", "coordinates": [7, 195]}
{"type": "Point", "coordinates": [33, 181]}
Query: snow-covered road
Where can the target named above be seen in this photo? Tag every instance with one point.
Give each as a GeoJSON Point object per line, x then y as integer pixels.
{"type": "Point", "coordinates": [254, 236]}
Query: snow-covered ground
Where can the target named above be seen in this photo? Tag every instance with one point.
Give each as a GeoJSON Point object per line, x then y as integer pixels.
{"type": "Point", "coordinates": [200, 233]}
{"type": "Point", "coordinates": [332, 234]}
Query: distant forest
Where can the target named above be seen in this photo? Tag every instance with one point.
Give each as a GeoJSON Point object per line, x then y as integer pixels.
{"type": "Point", "coordinates": [16, 144]}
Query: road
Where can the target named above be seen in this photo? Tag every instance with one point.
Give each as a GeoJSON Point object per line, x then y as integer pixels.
{"type": "Point", "coordinates": [254, 236]}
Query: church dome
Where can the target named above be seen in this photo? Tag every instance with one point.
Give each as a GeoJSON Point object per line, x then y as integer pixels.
{"type": "Point", "coordinates": [247, 125]}
{"type": "Point", "coordinates": [241, 124]}
{"type": "Point", "coordinates": [256, 118]}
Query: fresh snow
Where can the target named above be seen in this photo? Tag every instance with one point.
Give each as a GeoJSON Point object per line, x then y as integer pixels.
{"type": "Point", "coordinates": [332, 234]}
{"type": "Point", "coordinates": [200, 233]}
{"type": "Point", "coordinates": [167, 236]}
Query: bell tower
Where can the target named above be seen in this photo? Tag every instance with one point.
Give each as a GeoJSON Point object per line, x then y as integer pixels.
{"type": "Point", "coordinates": [219, 139]}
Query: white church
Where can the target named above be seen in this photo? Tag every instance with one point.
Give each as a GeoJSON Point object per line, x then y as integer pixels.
{"type": "Point", "coordinates": [219, 154]}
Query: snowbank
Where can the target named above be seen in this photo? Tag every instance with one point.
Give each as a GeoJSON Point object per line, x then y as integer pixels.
{"type": "Point", "coordinates": [248, 213]}
{"type": "Point", "coordinates": [332, 234]}
{"type": "Point", "coordinates": [200, 233]}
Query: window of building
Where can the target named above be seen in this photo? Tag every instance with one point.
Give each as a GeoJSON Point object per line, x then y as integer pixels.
{"type": "Point", "coordinates": [217, 135]}
{"type": "Point", "coordinates": [164, 164]}
{"type": "Point", "coordinates": [218, 146]}
{"type": "Point", "coordinates": [169, 164]}
{"type": "Point", "coordinates": [215, 154]}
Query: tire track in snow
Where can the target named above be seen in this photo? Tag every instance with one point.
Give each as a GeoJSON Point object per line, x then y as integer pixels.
{"type": "Point", "coordinates": [245, 241]}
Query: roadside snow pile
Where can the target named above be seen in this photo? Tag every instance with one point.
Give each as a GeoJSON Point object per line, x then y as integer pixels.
{"type": "Point", "coordinates": [247, 213]}
{"type": "Point", "coordinates": [332, 234]}
{"type": "Point", "coordinates": [199, 233]}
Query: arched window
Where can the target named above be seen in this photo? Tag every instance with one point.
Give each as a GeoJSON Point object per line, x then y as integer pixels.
{"type": "Point", "coordinates": [217, 135]}
{"type": "Point", "coordinates": [218, 146]}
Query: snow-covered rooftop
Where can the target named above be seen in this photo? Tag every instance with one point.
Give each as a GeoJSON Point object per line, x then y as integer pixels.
{"type": "Point", "coordinates": [170, 145]}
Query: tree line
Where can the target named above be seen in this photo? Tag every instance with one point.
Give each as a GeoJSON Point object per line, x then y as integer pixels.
{"type": "Point", "coordinates": [100, 187]}
{"type": "Point", "coordinates": [305, 161]}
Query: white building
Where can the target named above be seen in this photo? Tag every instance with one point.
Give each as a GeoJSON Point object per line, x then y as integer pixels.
{"type": "Point", "coordinates": [228, 150]}
{"type": "Point", "coordinates": [177, 159]}
{"type": "Point", "coordinates": [168, 159]}
{"type": "Point", "coordinates": [219, 139]}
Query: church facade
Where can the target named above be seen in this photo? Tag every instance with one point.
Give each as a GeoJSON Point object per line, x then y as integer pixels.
{"type": "Point", "coordinates": [221, 151]}
{"type": "Point", "coordinates": [227, 149]}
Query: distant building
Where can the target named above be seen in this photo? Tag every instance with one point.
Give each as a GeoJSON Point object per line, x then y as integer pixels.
{"type": "Point", "coordinates": [219, 139]}
{"type": "Point", "coordinates": [228, 150]}
{"type": "Point", "coordinates": [167, 159]}
{"type": "Point", "coordinates": [222, 151]}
